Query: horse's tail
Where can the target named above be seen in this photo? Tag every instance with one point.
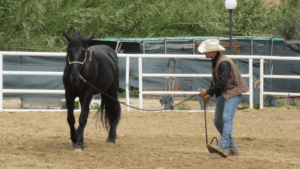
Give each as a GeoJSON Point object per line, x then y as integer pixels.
{"type": "Point", "coordinates": [101, 115]}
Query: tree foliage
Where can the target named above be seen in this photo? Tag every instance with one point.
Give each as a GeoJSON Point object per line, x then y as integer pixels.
{"type": "Point", "coordinates": [31, 25]}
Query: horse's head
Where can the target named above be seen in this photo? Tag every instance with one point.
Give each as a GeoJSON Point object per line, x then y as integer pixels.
{"type": "Point", "coordinates": [76, 50]}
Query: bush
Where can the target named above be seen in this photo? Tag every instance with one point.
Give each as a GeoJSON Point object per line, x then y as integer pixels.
{"type": "Point", "coordinates": [289, 24]}
{"type": "Point", "coordinates": [30, 25]}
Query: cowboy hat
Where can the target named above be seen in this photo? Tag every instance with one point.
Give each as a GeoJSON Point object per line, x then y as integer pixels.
{"type": "Point", "coordinates": [210, 45]}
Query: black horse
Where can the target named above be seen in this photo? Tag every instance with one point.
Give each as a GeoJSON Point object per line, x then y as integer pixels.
{"type": "Point", "coordinates": [98, 65]}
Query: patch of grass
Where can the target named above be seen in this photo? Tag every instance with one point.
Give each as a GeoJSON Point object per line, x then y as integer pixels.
{"type": "Point", "coordinates": [22, 106]}
{"type": "Point", "coordinates": [183, 106]}
{"type": "Point", "coordinates": [284, 101]}
{"type": "Point", "coordinates": [244, 107]}
{"type": "Point", "coordinates": [281, 102]}
{"type": "Point", "coordinates": [134, 93]}
{"type": "Point", "coordinates": [76, 106]}
{"type": "Point", "coordinates": [256, 106]}
{"type": "Point", "coordinates": [294, 105]}
{"type": "Point", "coordinates": [64, 106]}
{"type": "Point", "coordinates": [267, 104]}
{"type": "Point", "coordinates": [96, 107]}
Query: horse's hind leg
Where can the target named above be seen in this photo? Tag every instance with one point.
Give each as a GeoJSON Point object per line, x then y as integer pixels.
{"type": "Point", "coordinates": [113, 113]}
{"type": "Point", "coordinates": [71, 119]}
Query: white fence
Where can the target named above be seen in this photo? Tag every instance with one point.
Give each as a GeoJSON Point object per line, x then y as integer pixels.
{"type": "Point", "coordinates": [141, 76]}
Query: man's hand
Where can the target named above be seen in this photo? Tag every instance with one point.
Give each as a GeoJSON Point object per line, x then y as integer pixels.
{"type": "Point", "coordinates": [205, 96]}
{"type": "Point", "coordinates": [202, 93]}
{"type": "Point", "coordinates": [207, 99]}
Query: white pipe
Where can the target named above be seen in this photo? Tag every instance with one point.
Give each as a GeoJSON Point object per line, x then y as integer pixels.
{"type": "Point", "coordinates": [182, 75]}
{"type": "Point", "coordinates": [116, 50]}
{"type": "Point", "coordinates": [251, 83]}
{"type": "Point", "coordinates": [261, 95]}
{"type": "Point", "coordinates": [184, 111]}
{"type": "Point", "coordinates": [52, 54]}
{"type": "Point", "coordinates": [40, 73]}
{"type": "Point", "coordinates": [282, 93]}
{"type": "Point", "coordinates": [176, 92]}
{"type": "Point", "coordinates": [203, 56]}
{"type": "Point", "coordinates": [163, 56]}
{"type": "Point", "coordinates": [63, 54]}
{"type": "Point", "coordinates": [170, 92]}
{"type": "Point", "coordinates": [1, 82]}
{"type": "Point", "coordinates": [45, 91]}
{"type": "Point", "coordinates": [77, 110]}
{"type": "Point", "coordinates": [281, 77]}
{"type": "Point", "coordinates": [127, 83]}
{"type": "Point", "coordinates": [264, 57]}
{"type": "Point", "coordinates": [43, 110]}
{"type": "Point", "coordinates": [141, 82]}
{"type": "Point", "coordinates": [175, 75]}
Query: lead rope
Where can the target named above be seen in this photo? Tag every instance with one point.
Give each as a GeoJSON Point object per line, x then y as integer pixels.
{"type": "Point", "coordinates": [205, 121]}
{"type": "Point", "coordinates": [215, 138]}
{"type": "Point", "coordinates": [85, 81]}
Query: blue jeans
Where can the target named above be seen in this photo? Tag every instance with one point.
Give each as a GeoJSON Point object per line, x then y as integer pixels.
{"type": "Point", "coordinates": [225, 110]}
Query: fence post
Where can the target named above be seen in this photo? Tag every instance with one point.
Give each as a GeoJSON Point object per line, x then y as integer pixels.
{"type": "Point", "coordinates": [251, 83]}
{"type": "Point", "coordinates": [141, 82]}
{"type": "Point", "coordinates": [127, 83]}
{"type": "Point", "coordinates": [1, 82]}
{"type": "Point", "coordinates": [141, 77]}
{"type": "Point", "coordinates": [261, 93]}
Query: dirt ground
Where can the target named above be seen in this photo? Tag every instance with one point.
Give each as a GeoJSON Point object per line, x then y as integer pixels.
{"type": "Point", "coordinates": [268, 138]}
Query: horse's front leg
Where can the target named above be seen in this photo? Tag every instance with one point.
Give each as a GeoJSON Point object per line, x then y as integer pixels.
{"type": "Point", "coordinates": [85, 109]}
{"type": "Point", "coordinates": [71, 119]}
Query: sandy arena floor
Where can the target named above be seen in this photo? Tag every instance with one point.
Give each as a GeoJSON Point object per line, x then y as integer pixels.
{"type": "Point", "coordinates": [268, 138]}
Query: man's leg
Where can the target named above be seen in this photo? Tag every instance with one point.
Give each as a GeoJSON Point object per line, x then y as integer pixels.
{"type": "Point", "coordinates": [218, 121]}
{"type": "Point", "coordinates": [227, 140]}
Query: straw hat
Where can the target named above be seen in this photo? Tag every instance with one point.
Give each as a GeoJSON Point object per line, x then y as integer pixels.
{"type": "Point", "coordinates": [210, 45]}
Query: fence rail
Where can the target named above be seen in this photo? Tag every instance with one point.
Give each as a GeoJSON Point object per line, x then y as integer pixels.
{"type": "Point", "coordinates": [141, 76]}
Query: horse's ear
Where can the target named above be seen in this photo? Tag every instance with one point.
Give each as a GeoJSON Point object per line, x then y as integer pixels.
{"type": "Point", "coordinates": [67, 36]}
{"type": "Point", "coordinates": [89, 39]}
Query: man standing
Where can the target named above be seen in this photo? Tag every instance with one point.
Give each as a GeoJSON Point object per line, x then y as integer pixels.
{"type": "Point", "coordinates": [227, 85]}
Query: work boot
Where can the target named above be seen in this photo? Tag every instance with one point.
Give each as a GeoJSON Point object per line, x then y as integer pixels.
{"type": "Point", "coordinates": [233, 152]}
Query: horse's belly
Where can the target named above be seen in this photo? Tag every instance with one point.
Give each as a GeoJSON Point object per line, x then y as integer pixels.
{"type": "Point", "coordinates": [104, 84]}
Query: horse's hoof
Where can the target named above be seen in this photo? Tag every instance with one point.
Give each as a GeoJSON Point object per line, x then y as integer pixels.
{"type": "Point", "coordinates": [78, 150]}
{"type": "Point", "coordinates": [111, 141]}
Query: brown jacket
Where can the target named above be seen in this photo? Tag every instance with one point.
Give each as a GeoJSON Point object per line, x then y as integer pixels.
{"type": "Point", "coordinates": [236, 84]}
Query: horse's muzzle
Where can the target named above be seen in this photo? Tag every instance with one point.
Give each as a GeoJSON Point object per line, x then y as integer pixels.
{"type": "Point", "coordinates": [75, 80]}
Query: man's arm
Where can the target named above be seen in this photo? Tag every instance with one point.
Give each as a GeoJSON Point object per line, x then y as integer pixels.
{"type": "Point", "coordinates": [221, 82]}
